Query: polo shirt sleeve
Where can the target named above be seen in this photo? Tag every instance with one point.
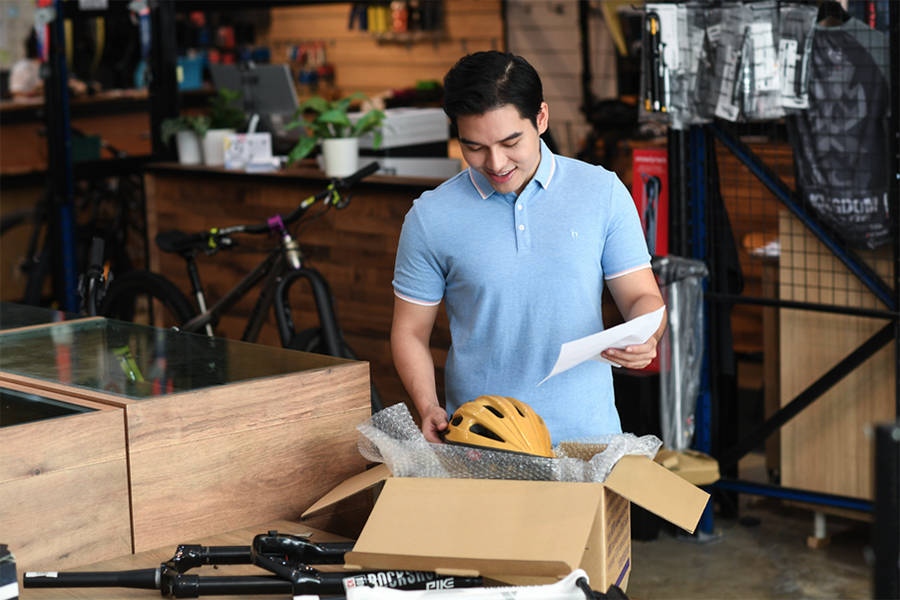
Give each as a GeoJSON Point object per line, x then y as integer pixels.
{"type": "Point", "coordinates": [625, 249]}
{"type": "Point", "coordinates": [418, 276]}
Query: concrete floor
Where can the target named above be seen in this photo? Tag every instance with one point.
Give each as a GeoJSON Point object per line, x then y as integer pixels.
{"type": "Point", "coordinates": [761, 554]}
{"type": "Point", "coordinates": [768, 560]}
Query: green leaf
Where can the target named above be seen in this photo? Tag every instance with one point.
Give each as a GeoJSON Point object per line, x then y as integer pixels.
{"type": "Point", "coordinates": [304, 146]}
{"type": "Point", "coordinates": [368, 122]}
{"type": "Point", "coordinates": [169, 127]}
{"type": "Point", "coordinates": [316, 104]}
{"type": "Point", "coordinates": [335, 117]}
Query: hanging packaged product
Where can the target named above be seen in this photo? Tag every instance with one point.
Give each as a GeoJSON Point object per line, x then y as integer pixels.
{"type": "Point", "coordinates": [794, 49]}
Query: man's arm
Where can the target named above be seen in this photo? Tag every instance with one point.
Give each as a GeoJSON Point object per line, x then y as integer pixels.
{"type": "Point", "coordinates": [636, 294]}
{"type": "Point", "coordinates": [410, 334]}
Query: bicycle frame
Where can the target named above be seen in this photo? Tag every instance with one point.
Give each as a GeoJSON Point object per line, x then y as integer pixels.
{"type": "Point", "coordinates": [331, 335]}
{"type": "Point", "coordinates": [271, 268]}
{"type": "Point", "coordinates": [280, 269]}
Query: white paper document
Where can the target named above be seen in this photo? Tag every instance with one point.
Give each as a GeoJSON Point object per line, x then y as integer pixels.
{"type": "Point", "coordinates": [635, 331]}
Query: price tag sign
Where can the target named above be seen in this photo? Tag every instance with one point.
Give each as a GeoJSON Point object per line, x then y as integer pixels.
{"type": "Point", "coordinates": [243, 148]}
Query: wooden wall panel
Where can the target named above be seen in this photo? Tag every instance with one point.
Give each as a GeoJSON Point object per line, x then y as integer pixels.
{"type": "Point", "coordinates": [826, 447]}
{"type": "Point", "coordinates": [364, 64]}
{"type": "Point", "coordinates": [547, 34]}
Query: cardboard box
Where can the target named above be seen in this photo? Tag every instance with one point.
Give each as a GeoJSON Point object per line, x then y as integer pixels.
{"type": "Point", "coordinates": [650, 190]}
{"type": "Point", "coordinates": [690, 465]}
{"type": "Point", "coordinates": [516, 532]}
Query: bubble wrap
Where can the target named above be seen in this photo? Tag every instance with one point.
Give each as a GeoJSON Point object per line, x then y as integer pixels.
{"type": "Point", "coordinates": [392, 437]}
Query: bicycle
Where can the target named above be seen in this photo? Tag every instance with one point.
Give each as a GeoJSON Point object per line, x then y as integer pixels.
{"type": "Point", "coordinates": [93, 282]}
{"type": "Point", "coordinates": [151, 298]}
{"type": "Point", "coordinates": [110, 207]}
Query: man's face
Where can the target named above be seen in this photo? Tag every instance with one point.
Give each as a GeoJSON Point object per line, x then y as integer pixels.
{"type": "Point", "coordinates": [503, 146]}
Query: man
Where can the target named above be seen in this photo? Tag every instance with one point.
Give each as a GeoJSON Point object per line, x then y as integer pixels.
{"type": "Point", "coordinates": [519, 247]}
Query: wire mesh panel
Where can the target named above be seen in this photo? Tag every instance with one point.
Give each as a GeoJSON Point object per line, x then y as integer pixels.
{"type": "Point", "coordinates": [796, 172]}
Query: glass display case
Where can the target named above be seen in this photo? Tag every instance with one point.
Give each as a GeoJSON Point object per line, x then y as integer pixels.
{"type": "Point", "coordinates": [16, 316]}
{"type": "Point", "coordinates": [137, 361]}
{"type": "Point", "coordinates": [18, 407]}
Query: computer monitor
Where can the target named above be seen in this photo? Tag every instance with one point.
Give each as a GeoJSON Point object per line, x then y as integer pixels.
{"type": "Point", "coordinates": [266, 90]}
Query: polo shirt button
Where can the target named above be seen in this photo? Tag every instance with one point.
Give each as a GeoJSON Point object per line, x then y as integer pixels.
{"type": "Point", "coordinates": [521, 228]}
{"type": "Point", "coordinates": [519, 207]}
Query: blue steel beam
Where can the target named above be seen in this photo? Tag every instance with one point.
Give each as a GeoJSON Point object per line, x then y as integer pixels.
{"type": "Point", "coordinates": [777, 491]}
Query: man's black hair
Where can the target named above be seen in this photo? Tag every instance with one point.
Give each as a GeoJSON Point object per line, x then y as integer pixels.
{"type": "Point", "coordinates": [485, 81]}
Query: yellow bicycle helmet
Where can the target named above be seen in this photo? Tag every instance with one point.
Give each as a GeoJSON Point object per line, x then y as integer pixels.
{"type": "Point", "coordinates": [500, 423]}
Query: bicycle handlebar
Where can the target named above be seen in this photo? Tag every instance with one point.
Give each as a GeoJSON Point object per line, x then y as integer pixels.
{"type": "Point", "coordinates": [351, 180]}
{"type": "Point", "coordinates": [214, 239]}
{"type": "Point", "coordinates": [336, 184]}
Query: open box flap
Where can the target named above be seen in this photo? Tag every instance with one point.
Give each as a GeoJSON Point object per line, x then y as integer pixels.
{"type": "Point", "coordinates": [349, 487]}
{"type": "Point", "coordinates": [690, 465]}
{"type": "Point", "coordinates": [532, 528]}
{"type": "Point", "coordinates": [657, 489]}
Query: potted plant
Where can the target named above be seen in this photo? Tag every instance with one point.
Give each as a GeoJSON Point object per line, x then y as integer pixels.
{"type": "Point", "coordinates": [339, 134]}
{"type": "Point", "coordinates": [187, 130]}
{"type": "Point", "coordinates": [224, 118]}
{"type": "Point", "coordinates": [192, 132]}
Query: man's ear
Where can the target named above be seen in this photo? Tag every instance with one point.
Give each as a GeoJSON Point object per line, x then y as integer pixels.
{"type": "Point", "coordinates": [543, 118]}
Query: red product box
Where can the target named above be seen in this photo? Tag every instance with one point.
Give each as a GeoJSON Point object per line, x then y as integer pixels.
{"type": "Point", "coordinates": [650, 190]}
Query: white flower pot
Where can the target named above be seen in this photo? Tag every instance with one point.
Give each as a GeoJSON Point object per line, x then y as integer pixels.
{"type": "Point", "coordinates": [341, 156]}
{"type": "Point", "coordinates": [214, 147]}
{"type": "Point", "coordinates": [189, 150]}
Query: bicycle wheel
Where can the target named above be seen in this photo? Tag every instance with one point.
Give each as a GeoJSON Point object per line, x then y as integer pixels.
{"type": "Point", "coordinates": [146, 298]}
{"type": "Point", "coordinates": [310, 340]}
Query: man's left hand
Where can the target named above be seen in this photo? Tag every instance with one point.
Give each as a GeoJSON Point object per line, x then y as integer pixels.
{"type": "Point", "coordinates": [632, 357]}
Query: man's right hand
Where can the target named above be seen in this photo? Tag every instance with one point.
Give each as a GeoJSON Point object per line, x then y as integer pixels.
{"type": "Point", "coordinates": [434, 421]}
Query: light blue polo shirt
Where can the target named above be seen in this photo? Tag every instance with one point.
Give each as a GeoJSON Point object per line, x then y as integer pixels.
{"type": "Point", "coordinates": [520, 276]}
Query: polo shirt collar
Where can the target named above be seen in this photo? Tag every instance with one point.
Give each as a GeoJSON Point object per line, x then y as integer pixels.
{"type": "Point", "coordinates": [543, 175]}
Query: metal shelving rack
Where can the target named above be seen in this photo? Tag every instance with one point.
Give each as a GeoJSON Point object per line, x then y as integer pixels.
{"type": "Point", "coordinates": [693, 177]}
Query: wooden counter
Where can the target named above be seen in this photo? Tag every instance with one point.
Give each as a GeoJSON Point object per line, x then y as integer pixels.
{"type": "Point", "coordinates": [354, 249]}
{"type": "Point", "coordinates": [205, 435]}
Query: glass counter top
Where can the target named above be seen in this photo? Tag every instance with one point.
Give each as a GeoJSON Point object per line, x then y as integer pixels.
{"type": "Point", "coordinates": [14, 316]}
{"type": "Point", "coordinates": [139, 362]}
{"type": "Point", "coordinates": [18, 407]}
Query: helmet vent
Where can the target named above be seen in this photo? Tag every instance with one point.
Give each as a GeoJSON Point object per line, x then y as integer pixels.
{"type": "Point", "coordinates": [456, 420]}
{"type": "Point", "coordinates": [484, 432]}
{"type": "Point", "coordinates": [496, 412]}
